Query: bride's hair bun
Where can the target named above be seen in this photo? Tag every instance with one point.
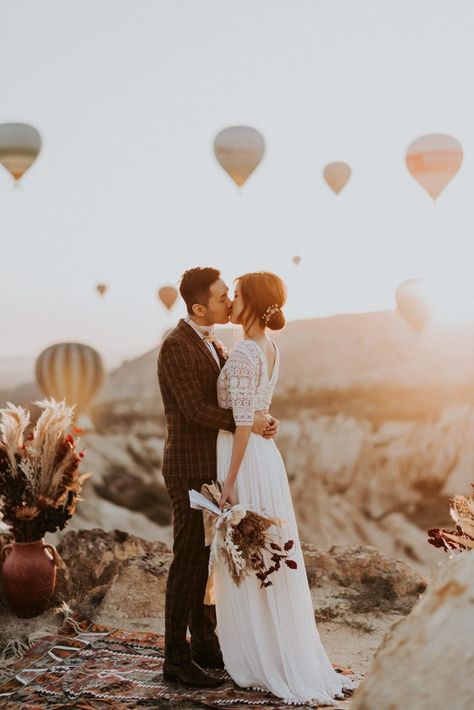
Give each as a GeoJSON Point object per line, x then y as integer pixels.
{"type": "Point", "coordinates": [276, 321]}
{"type": "Point", "coordinates": [264, 295]}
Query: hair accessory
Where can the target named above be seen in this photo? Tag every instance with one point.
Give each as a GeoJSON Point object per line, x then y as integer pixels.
{"type": "Point", "coordinates": [274, 308]}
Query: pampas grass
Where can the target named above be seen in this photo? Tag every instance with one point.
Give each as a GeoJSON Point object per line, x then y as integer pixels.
{"type": "Point", "coordinates": [40, 480]}
{"type": "Point", "coordinates": [13, 423]}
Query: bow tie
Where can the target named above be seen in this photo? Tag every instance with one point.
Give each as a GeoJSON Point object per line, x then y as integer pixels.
{"type": "Point", "coordinates": [208, 333]}
{"type": "Point", "coordinates": [209, 336]}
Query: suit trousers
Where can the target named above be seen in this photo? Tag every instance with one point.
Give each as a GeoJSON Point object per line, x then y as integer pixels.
{"type": "Point", "coordinates": [187, 579]}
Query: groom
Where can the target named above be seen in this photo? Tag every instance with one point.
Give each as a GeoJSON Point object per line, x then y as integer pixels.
{"type": "Point", "coordinates": [189, 363]}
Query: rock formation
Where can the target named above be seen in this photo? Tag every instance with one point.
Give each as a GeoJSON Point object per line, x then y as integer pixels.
{"type": "Point", "coordinates": [426, 661]}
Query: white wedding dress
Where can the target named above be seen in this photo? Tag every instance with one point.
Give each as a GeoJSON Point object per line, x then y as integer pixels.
{"type": "Point", "coordinates": [268, 636]}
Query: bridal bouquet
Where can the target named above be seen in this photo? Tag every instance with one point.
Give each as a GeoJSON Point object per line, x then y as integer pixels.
{"type": "Point", "coordinates": [462, 512]}
{"type": "Point", "coordinates": [39, 470]}
{"type": "Point", "coordinates": [242, 537]}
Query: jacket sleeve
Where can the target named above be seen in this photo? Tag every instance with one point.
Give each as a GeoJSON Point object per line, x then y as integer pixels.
{"type": "Point", "coordinates": [173, 364]}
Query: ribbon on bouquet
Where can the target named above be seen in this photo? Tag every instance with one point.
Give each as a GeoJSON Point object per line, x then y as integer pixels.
{"type": "Point", "coordinates": [207, 501]}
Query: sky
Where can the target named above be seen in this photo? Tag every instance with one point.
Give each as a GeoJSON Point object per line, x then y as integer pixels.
{"type": "Point", "coordinates": [128, 96]}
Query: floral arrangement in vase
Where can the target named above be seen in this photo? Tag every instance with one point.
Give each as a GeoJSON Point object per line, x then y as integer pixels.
{"type": "Point", "coordinates": [40, 483]}
{"type": "Point", "coordinates": [462, 538]}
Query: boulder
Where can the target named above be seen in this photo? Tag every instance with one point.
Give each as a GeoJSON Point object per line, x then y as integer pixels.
{"type": "Point", "coordinates": [113, 577]}
{"type": "Point", "coordinates": [426, 660]}
{"type": "Point", "coordinates": [94, 557]}
{"type": "Point", "coordinates": [136, 591]}
{"type": "Point", "coordinates": [357, 584]}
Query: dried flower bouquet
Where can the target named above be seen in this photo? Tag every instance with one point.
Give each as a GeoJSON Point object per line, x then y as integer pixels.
{"type": "Point", "coordinates": [243, 537]}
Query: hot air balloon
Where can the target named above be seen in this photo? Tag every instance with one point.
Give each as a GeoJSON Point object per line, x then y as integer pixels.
{"type": "Point", "coordinates": [414, 303]}
{"type": "Point", "coordinates": [337, 175]}
{"type": "Point", "coordinates": [296, 260]}
{"type": "Point", "coordinates": [19, 147]}
{"type": "Point", "coordinates": [70, 371]}
{"type": "Point", "coordinates": [433, 161]}
{"type": "Point", "coordinates": [101, 288]}
{"type": "Point", "coordinates": [239, 149]}
{"type": "Point", "coordinates": [168, 296]}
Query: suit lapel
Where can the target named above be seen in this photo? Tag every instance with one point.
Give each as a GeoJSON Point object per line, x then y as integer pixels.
{"type": "Point", "coordinates": [190, 333]}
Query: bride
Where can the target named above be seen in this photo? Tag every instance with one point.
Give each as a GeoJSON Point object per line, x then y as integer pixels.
{"type": "Point", "coordinates": [268, 636]}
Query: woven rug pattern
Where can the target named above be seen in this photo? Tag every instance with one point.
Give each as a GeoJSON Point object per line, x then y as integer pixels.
{"type": "Point", "coordinates": [92, 667]}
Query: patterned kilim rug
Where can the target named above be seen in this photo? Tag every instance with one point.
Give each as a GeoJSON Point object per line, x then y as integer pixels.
{"type": "Point", "coordinates": [91, 667]}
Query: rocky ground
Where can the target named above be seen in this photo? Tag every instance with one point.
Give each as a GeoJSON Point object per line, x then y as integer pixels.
{"type": "Point", "coordinates": [409, 635]}
{"type": "Point", "coordinates": [119, 579]}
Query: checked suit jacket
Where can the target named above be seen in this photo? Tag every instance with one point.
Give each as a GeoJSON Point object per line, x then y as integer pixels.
{"type": "Point", "coordinates": [187, 375]}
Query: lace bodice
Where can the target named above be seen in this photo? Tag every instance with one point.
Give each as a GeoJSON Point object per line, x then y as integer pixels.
{"type": "Point", "coordinates": [243, 384]}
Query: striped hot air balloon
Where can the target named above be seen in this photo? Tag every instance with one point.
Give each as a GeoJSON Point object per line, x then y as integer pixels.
{"type": "Point", "coordinates": [70, 371]}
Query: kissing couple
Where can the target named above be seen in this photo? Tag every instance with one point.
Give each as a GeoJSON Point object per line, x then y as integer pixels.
{"type": "Point", "coordinates": [219, 428]}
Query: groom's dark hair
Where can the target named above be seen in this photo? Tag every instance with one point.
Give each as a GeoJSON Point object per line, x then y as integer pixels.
{"type": "Point", "coordinates": [195, 286]}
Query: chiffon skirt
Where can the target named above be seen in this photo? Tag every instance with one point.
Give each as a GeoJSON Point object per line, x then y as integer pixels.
{"type": "Point", "coordinates": [268, 636]}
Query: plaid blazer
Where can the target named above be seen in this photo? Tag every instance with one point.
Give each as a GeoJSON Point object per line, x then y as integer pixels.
{"type": "Point", "coordinates": [187, 375]}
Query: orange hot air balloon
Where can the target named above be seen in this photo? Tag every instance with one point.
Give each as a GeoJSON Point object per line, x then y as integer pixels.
{"type": "Point", "coordinates": [337, 175]}
{"type": "Point", "coordinates": [413, 303]}
{"type": "Point", "coordinates": [239, 150]}
{"type": "Point", "coordinates": [168, 296]}
{"type": "Point", "coordinates": [19, 147]}
{"type": "Point", "coordinates": [101, 288]}
{"type": "Point", "coordinates": [70, 371]}
{"type": "Point", "coordinates": [433, 161]}
{"type": "Point", "coordinates": [296, 260]}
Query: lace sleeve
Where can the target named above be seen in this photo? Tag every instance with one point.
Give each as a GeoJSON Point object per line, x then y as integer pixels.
{"type": "Point", "coordinates": [242, 379]}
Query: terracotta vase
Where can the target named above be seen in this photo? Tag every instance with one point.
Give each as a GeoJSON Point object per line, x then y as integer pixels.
{"type": "Point", "coordinates": [29, 575]}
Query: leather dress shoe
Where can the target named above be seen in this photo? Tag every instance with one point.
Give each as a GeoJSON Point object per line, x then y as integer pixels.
{"type": "Point", "coordinates": [189, 673]}
{"type": "Point", "coordinates": [209, 659]}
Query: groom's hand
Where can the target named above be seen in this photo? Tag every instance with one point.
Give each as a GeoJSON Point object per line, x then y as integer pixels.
{"type": "Point", "coordinates": [261, 422]}
{"type": "Point", "coordinates": [272, 428]}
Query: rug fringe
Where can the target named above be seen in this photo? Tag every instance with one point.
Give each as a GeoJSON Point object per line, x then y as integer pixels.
{"type": "Point", "coordinates": [14, 649]}
{"type": "Point", "coordinates": [69, 617]}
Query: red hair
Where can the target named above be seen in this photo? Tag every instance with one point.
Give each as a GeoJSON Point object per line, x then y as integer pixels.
{"type": "Point", "coordinates": [261, 290]}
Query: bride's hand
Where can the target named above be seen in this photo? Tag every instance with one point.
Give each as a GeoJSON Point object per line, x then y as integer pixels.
{"type": "Point", "coordinates": [228, 495]}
